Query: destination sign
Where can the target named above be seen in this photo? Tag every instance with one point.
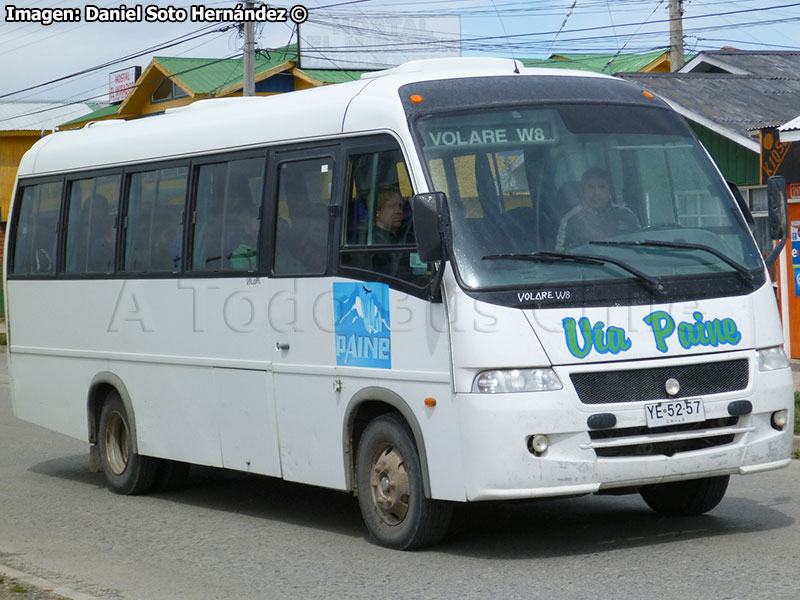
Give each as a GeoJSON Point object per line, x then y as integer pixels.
{"type": "Point", "coordinates": [536, 133]}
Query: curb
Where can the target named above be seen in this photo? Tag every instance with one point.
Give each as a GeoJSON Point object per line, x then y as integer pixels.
{"type": "Point", "coordinates": [44, 585]}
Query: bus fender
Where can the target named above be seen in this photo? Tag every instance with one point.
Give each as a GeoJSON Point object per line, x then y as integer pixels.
{"type": "Point", "coordinates": [384, 396]}
{"type": "Point", "coordinates": [99, 381]}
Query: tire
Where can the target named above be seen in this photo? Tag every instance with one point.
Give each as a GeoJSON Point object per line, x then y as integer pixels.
{"type": "Point", "coordinates": [172, 475]}
{"type": "Point", "coordinates": [126, 472]}
{"type": "Point", "coordinates": [684, 498]}
{"type": "Point", "coordinates": [390, 490]}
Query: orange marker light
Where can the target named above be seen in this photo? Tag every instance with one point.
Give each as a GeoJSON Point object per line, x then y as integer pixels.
{"type": "Point", "coordinates": [430, 402]}
{"type": "Point", "coordinates": [415, 98]}
{"type": "Point", "coordinates": [647, 95]}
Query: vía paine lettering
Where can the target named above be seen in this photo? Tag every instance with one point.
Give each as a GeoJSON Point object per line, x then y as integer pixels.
{"type": "Point", "coordinates": [583, 336]}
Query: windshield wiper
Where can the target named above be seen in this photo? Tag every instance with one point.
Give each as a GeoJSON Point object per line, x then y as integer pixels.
{"type": "Point", "coordinates": [740, 269]}
{"type": "Point", "coordinates": [587, 259]}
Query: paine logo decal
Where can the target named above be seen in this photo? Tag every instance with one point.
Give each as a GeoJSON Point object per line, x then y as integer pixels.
{"type": "Point", "coordinates": [363, 332]}
{"type": "Point", "coordinates": [584, 336]}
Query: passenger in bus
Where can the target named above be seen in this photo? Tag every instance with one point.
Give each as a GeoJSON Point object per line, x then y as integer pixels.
{"type": "Point", "coordinates": [596, 218]}
{"type": "Point", "coordinates": [243, 254]}
{"type": "Point", "coordinates": [101, 251]}
{"type": "Point", "coordinates": [166, 254]}
{"type": "Point", "coordinates": [391, 228]}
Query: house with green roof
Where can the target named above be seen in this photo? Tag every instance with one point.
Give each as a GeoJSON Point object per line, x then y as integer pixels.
{"type": "Point", "coordinates": [169, 82]}
{"type": "Point", "coordinates": [657, 61]}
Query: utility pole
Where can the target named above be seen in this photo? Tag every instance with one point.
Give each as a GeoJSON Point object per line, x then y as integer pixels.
{"type": "Point", "coordinates": [249, 87]}
{"type": "Point", "coordinates": [676, 34]}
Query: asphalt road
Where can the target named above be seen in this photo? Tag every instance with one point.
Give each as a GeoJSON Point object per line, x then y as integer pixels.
{"type": "Point", "coordinates": [232, 536]}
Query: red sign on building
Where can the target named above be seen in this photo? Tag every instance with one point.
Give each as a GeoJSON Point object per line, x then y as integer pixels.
{"type": "Point", "coordinates": [121, 82]}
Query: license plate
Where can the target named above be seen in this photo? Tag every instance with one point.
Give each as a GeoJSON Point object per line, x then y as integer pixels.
{"type": "Point", "coordinates": [674, 412]}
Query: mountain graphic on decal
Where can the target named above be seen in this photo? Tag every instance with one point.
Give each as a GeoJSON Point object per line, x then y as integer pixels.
{"type": "Point", "coordinates": [362, 311]}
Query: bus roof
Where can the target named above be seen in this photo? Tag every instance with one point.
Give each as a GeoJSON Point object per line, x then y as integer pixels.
{"type": "Point", "coordinates": [206, 126]}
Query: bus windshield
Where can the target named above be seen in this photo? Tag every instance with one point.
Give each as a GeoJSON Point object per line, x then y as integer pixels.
{"type": "Point", "coordinates": [582, 193]}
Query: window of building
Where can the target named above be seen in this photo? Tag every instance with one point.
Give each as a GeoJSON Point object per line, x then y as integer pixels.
{"type": "Point", "coordinates": [167, 90]}
{"type": "Point", "coordinates": [756, 198]}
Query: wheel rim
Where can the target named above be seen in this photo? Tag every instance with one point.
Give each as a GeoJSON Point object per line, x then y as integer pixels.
{"type": "Point", "coordinates": [117, 443]}
{"type": "Point", "coordinates": [389, 484]}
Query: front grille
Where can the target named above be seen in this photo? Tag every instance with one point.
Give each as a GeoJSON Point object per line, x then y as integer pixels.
{"type": "Point", "coordinates": [635, 385]}
{"type": "Point", "coordinates": [653, 446]}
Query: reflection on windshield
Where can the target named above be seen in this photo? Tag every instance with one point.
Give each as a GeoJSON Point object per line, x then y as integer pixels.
{"type": "Point", "coordinates": [586, 259]}
{"type": "Point", "coordinates": [537, 180]}
{"type": "Point", "coordinates": [746, 275]}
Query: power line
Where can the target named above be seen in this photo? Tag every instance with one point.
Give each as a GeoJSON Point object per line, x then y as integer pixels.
{"type": "Point", "coordinates": [564, 22]}
{"type": "Point", "coordinates": [625, 45]}
{"type": "Point", "coordinates": [163, 46]}
{"type": "Point", "coordinates": [398, 45]}
{"type": "Point", "coordinates": [148, 83]}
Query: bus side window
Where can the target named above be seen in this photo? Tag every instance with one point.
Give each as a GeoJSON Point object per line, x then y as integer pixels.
{"type": "Point", "coordinates": [37, 229]}
{"type": "Point", "coordinates": [227, 215]}
{"type": "Point", "coordinates": [377, 214]}
{"type": "Point", "coordinates": [91, 224]}
{"type": "Point", "coordinates": [301, 232]}
{"type": "Point", "coordinates": [154, 233]}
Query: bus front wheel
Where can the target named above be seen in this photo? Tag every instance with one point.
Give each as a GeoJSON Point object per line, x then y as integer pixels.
{"type": "Point", "coordinates": [126, 472]}
{"type": "Point", "coordinates": [685, 498]}
{"type": "Point", "coordinates": [390, 490]}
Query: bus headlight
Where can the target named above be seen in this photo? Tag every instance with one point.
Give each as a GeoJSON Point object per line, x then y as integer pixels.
{"type": "Point", "coordinates": [516, 380]}
{"type": "Point", "coordinates": [772, 359]}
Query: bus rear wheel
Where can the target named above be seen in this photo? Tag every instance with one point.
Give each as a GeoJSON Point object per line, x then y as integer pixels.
{"type": "Point", "coordinates": [390, 489]}
{"type": "Point", "coordinates": [685, 498]}
{"type": "Point", "coordinates": [126, 471]}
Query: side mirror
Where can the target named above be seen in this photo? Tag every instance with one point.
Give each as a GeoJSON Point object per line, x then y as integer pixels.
{"type": "Point", "coordinates": [776, 198]}
{"type": "Point", "coordinates": [430, 221]}
{"type": "Point", "coordinates": [778, 216]}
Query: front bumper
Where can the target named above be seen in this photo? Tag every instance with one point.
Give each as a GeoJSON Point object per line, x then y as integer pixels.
{"type": "Point", "coordinates": [498, 464]}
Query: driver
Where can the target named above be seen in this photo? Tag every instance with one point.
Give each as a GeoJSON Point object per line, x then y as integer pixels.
{"type": "Point", "coordinates": [596, 218]}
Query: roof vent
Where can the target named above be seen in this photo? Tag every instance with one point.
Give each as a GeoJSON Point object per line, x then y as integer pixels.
{"type": "Point", "coordinates": [104, 123]}
{"type": "Point", "coordinates": [496, 66]}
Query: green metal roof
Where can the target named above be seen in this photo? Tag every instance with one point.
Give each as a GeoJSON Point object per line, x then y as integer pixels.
{"type": "Point", "coordinates": [208, 75]}
{"type": "Point", "coordinates": [332, 76]}
{"type": "Point", "coordinates": [598, 63]}
{"type": "Point", "coordinates": [97, 114]}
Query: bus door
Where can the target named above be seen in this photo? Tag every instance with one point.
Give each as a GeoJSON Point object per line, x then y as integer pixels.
{"type": "Point", "coordinates": [301, 316]}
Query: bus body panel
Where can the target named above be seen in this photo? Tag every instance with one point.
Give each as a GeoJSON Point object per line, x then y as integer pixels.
{"type": "Point", "coordinates": [476, 325]}
{"type": "Point", "coordinates": [314, 389]}
{"type": "Point", "coordinates": [658, 330]}
{"type": "Point", "coordinates": [209, 373]}
{"type": "Point", "coordinates": [38, 390]}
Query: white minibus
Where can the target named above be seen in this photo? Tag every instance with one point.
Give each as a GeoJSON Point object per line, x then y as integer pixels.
{"type": "Point", "coordinates": [452, 281]}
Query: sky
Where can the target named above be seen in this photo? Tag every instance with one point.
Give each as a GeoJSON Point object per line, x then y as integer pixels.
{"type": "Point", "coordinates": [32, 54]}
